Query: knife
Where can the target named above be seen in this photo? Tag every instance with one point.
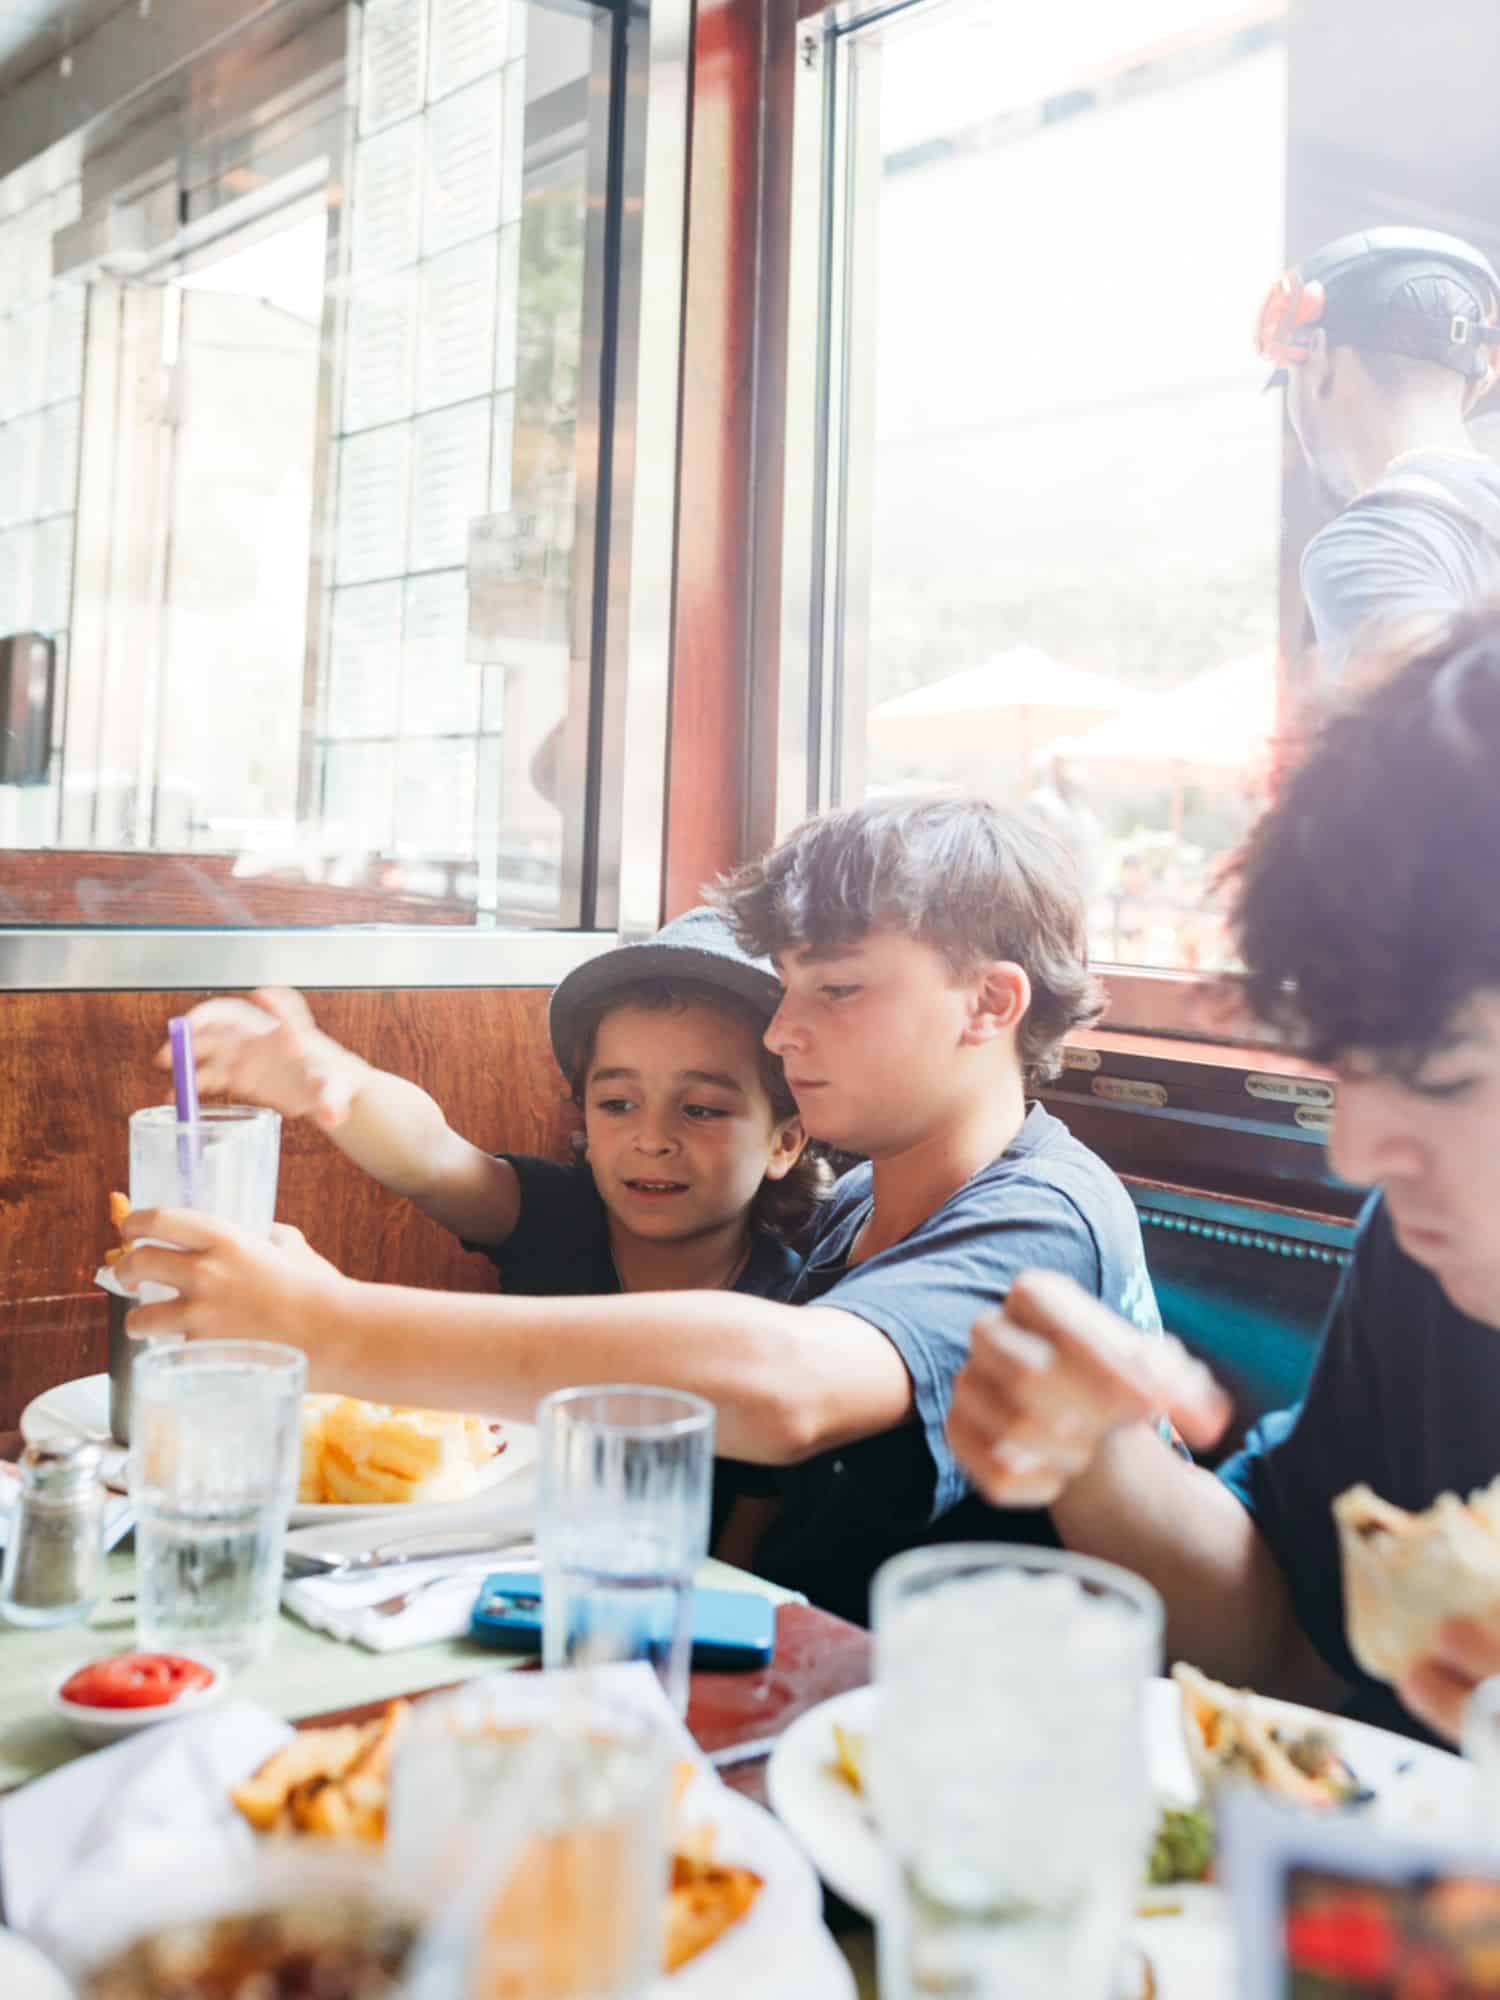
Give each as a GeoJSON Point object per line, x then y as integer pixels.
{"type": "Point", "coordinates": [298, 1563]}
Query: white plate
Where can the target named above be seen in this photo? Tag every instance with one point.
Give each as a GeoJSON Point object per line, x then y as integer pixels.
{"type": "Point", "coordinates": [1418, 1790]}
{"type": "Point", "coordinates": [26, 1975]}
{"type": "Point", "coordinates": [84, 1405]}
{"type": "Point", "coordinates": [81, 1405]}
{"type": "Point", "coordinates": [780, 1950]}
{"type": "Point", "coordinates": [98, 1726]}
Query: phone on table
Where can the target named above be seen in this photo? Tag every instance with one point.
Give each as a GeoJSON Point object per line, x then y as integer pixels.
{"type": "Point", "coordinates": [733, 1630]}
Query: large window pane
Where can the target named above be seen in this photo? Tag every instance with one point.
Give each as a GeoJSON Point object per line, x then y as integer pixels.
{"type": "Point", "coordinates": [1060, 513]}
{"type": "Point", "coordinates": [239, 480]}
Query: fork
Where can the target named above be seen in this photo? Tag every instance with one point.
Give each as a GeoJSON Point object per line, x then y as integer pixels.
{"type": "Point", "coordinates": [392, 1607]}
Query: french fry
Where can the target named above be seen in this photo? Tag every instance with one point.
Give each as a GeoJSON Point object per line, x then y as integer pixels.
{"type": "Point", "coordinates": [313, 1756]}
{"type": "Point", "coordinates": [333, 1784]}
{"type": "Point", "coordinates": [701, 1905]}
{"type": "Point", "coordinates": [119, 1208]}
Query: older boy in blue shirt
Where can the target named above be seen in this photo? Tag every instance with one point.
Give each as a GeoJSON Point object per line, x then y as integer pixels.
{"type": "Point", "coordinates": [932, 956]}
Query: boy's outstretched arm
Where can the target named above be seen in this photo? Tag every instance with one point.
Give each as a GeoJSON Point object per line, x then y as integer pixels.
{"type": "Point", "coordinates": [787, 1381]}
{"type": "Point", "coordinates": [269, 1050]}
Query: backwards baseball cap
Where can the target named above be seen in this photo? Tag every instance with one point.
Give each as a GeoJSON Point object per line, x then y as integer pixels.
{"type": "Point", "coordinates": [697, 947]}
{"type": "Point", "coordinates": [1417, 292]}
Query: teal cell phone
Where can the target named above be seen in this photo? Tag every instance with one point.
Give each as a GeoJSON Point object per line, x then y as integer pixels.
{"type": "Point", "coordinates": [734, 1631]}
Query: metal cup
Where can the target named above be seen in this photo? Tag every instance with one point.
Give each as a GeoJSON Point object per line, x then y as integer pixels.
{"type": "Point", "coordinates": [122, 1353]}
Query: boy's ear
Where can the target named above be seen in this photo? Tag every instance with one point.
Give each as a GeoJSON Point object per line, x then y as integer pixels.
{"type": "Point", "coordinates": [787, 1149]}
{"type": "Point", "coordinates": [1001, 996]}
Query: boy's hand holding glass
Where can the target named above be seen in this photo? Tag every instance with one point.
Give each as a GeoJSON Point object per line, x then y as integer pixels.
{"type": "Point", "coordinates": [269, 1050]}
{"type": "Point", "coordinates": [230, 1284]}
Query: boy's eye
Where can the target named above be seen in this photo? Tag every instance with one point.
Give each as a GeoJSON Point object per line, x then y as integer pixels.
{"type": "Point", "coordinates": [1446, 1092]}
{"type": "Point", "coordinates": [614, 1105]}
{"type": "Point", "coordinates": [702, 1113]}
{"type": "Point", "coordinates": [839, 992]}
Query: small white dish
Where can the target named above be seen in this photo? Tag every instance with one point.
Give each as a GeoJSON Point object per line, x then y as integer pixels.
{"type": "Point", "coordinates": [98, 1726]}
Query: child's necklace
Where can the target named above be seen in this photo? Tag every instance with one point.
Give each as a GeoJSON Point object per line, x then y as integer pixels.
{"type": "Point", "coordinates": [724, 1285]}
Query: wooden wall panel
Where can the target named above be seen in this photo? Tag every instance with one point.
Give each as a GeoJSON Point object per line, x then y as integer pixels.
{"type": "Point", "coordinates": [73, 1066]}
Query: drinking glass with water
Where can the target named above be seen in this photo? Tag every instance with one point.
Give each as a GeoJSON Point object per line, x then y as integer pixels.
{"type": "Point", "coordinates": [1008, 1769]}
{"type": "Point", "coordinates": [624, 1485]}
{"type": "Point", "coordinates": [224, 1162]}
{"type": "Point", "coordinates": [213, 1471]}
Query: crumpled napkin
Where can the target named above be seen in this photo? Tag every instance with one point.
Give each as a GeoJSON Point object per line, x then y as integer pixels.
{"type": "Point", "coordinates": [78, 1846]}
{"type": "Point", "coordinates": [133, 1834]}
{"type": "Point", "coordinates": [444, 1589]}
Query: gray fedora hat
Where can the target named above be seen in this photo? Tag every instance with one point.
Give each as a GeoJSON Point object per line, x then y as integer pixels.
{"type": "Point", "coordinates": [697, 946]}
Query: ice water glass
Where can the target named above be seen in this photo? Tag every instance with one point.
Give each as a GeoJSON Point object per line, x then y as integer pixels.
{"type": "Point", "coordinates": [542, 1826]}
{"type": "Point", "coordinates": [1008, 1769]}
{"type": "Point", "coordinates": [624, 1484]}
{"type": "Point", "coordinates": [213, 1470]}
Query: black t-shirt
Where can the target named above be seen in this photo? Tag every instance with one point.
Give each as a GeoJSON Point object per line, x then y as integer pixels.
{"type": "Point", "coordinates": [1423, 541]}
{"type": "Point", "coordinates": [1406, 1398]}
{"type": "Point", "coordinates": [559, 1247]}
{"type": "Point", "coordinates": [1046, 1201]}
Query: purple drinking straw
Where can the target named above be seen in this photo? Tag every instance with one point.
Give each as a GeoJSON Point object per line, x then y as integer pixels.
{"type": "Point", "coordinates": [185, 1088]}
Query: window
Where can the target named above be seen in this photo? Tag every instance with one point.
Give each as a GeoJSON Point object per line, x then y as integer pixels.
{"type": "Point", "coordinates": [330, 648]}
{"type": "Point", "coordinates": [1048, 566]}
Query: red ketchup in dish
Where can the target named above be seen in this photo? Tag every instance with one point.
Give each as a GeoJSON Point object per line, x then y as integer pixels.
{"type": "Point", "coordinates": [135, 1680]}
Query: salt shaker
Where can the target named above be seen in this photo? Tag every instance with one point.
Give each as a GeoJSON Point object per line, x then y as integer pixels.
{"type": "Point", "coordinates": [54, 1552]}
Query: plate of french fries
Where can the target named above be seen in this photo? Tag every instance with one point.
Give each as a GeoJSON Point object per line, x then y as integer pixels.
{"type": "Point", "coordinates": [331, 1785]}
{"type": "Point", "coordinates": [357, 1457]}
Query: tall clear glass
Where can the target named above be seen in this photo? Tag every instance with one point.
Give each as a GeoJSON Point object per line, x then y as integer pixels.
{"type": "Point", "coordinates": [536, 1811]}
{"type": "Point", "coordinates": [225, 1164]}
{"type": "Point", "coordinates": [213, 1471]}
{"type": "Point", "coordinates": [1481, 1745]}
{"type": "Point", "coordinates": [624, 1483]}
{"type": "Point", "coordinates": [1008, 1768]}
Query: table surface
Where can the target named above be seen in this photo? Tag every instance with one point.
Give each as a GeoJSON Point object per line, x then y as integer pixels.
{"type": "Point", "coordinates": [310, 1676]}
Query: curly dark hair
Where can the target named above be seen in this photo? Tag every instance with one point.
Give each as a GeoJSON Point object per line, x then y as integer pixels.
{"type": "Point", "coordinates": [1365, 898]}
{"type": "Point", "coordinates": [974, 881]}
{"type": "Point", "coordinates": [783, 1208]}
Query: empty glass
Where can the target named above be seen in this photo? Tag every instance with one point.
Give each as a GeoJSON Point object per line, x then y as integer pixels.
{"type": "Point", "coordinates": [1008, 1769]}
{"type": "Point", "coordinates": [622, 1525]}
{"type": "Point", "coordinates": [213, 1470]}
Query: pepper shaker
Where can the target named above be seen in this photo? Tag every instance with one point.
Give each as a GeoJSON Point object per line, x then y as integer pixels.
{"type": "Point", "coordinates": [54, 1552]}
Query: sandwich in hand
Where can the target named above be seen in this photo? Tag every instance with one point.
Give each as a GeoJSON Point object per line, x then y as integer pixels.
{"type": "Point", "coordinates": [1405, 1574]}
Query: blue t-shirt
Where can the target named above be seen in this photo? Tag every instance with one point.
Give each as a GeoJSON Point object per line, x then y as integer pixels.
{"type": "Point", "coordinates": [559, 1247]}
{"type": "Point", "coordinates": [1405, 1397]}
{"type": "Point", "coordinates": [1399, 551]}
{"type": "Point", "coordinates": [1046, 1201]}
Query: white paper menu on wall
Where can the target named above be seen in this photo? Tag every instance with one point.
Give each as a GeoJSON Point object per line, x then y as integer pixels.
{"type": "Point", "coordinates": [463, 142]}
{"type": "Point", "coordinates": [374, 483]}
{"type": "Point", "coordinates": [380, 351]}
{"type": "Point", "coordinates": [393, 59]}
{"type": "Point", "coordinates": [469, 39]}
{"type": "Point", "coordinates": [450, 479]}
{"type": "Point", "coordinates": [456, 337]}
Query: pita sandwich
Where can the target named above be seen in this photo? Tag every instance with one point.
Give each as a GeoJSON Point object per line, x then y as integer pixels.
{"type": "Point", "coordinates": [1407, 1574]}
